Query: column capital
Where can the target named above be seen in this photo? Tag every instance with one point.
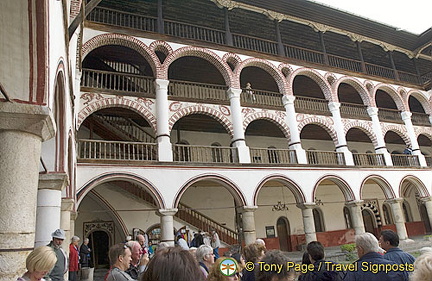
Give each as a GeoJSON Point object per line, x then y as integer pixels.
{"type": "Point", "coordinates": [354, 203]}
{"type": "Point", "coordinates": [161, 84]}
{"type": "Point", "coordinates": [372, 111]}
{"type": "Point", "coordinates": [53, 181]}
{"type": "Point", "coordinates": [305, 206]}
{"type": "Point", "coordinates": [288, 99]}
{"type": "Point", "coordinates": [167, 212]}
{"type": "Point", "coordinates": [67, 204]}
{"type": "Point", "coordinates": [248, 208]}
{"type": "Point", "coordinates": [33, 119]}
{"type": "Point", "coordinates": [333, 106]}
{"type": "Point", "coordinates": [233, 93]}
{"type": "Point", "coordinates": [406, 115]}
{"type": "Point", "coordinates": [426, 199]}
{"type": "Point", "coordinates": [394, 200]}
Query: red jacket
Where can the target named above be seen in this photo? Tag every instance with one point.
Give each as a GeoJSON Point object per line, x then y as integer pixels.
{"type": "Point", "coordinates": [73, 258]}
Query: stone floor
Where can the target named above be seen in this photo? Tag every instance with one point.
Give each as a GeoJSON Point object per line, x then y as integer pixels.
{"type": "Point", "coordinates": [415, 244]}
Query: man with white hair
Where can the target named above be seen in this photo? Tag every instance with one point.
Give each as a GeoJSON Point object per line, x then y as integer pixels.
{"type": "Point", "coordinates": [139, 262]}
{"type": "Point", "coordinates": [371, 266]}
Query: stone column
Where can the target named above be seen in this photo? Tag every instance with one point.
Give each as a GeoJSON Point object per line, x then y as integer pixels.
{"type": "Point", "coordinates": [406, 117]}
{"type": "Point", "coordinates": [23, 128]}
{"type": "Point", "coordinates": [237, 120]}
{"type": "Point", "coordinates": [291, 120]}
{"type": "Point", "coordinates": [48, 206]}
{"type": "Point", "coordinates": [248, 220]}
{"type": "Point", "coordinates": [308, 221]}
{"type": "Point", "coordinates": [342, 144]}
{"type": "Point", "coordinates": [398, 217]}
{"type": "Point", "coordinates": [67, 206]}
{"type": "Point", "coordinates": [167, 225]}
{"type": "Point", "coordinates": [356, 216]}
{"type": "Point", "coordinates": [376, 127]}
{"type": "Point", "coordinates": [163, 136]}
{"type": "Point", "coordinates": [428, 204]}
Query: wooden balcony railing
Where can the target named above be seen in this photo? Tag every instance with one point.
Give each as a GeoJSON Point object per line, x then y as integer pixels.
{"type": "Point", "coordinates": [259, 98]}
{"type": "Point", "coordinates": [119, 82]}
{"type": "Point", "coordinates": [404, 160]}
{"type": "Point", "coordinates": [116, 150]}
{"type": "Point", "coordinates": [316, 157]}
{"type": "Point", "coordinates": [273, 156]}
{"type": "Point", "coordinates": [304, 54]}
{"type": "Point", "coordinates": [195, 32]}
{"type": "Point", "coordinates": [354, 111]}
{"type": "Point", "coordinates": [311, 105]}
{"type": "Point", "coordinates": [420, 119]}
{"type": "Point", "coordinates": [344, 63]}
{"type": "Point", "coordinates": [389, 115]}
{"type": "Point", "coordinates": [369, 159]}
{"type": "Point", "coordinates": [428, 161]}
{"type": "Point", "coordinates": [199, 91]}
{"type": "Point", "coordinates": [408, 77]}
{"type": "Point", "coordinates": [255, 44]}
{"type": "Point", "coordinates": [204, 154]}
{"type": "Point", "coordinates": [206, 224]}
{"type": "Point", "coordinates": [380, 71]}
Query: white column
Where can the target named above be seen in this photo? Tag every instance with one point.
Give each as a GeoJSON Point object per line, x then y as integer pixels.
{"type": "Point", "coordinates": [398, 217]}
{"type": "Point", "coordinates": [291, 120]}
{"type": "Point", "coordinates": [48, 206]}
{"type": "Point", "coordinates": [167, 225]}
{"type": "Point", "coordinates": [67, 206]}
{"type": "Point", "coordinates": [342, 144]}
{"type": "Point", "coordinates": [428, 204]}
{"type": "Point", "coordinates": [23, 127]}
{"type": "Point", "coordinates": [237, 120]}
{"type": "Point", "coordinates": [308, 221]}
{"type": "Point", "coordinates": [248, 220]}
{"type": "Point", "coordinates": [162, 130]}
{"type": "Point", "coordinates": [356, 216]}
{"type": "Point", "coordinates": [406, 117]}
{"type": "Point", "coordinates": [376, 127]}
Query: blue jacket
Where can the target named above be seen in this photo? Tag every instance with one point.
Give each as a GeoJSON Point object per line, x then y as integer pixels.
{"type": "Point", "coordinates": [400, 257]}
{"type": "Point", "coordinates": [371, 267]}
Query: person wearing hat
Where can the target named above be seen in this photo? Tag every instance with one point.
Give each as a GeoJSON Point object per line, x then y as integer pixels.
{"type": "Point", "coordinates": [60, 268]}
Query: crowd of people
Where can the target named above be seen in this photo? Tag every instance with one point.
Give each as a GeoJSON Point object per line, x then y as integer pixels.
{"type": "Point", "coordinates": [378, 260]}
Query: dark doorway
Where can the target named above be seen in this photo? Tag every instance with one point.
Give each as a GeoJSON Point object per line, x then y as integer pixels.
{"type": "Point", "coordinates": [99, 243]}
{"type": "Point", "coordinates": [368, 220]}
{"type": "Point", "coordinates": [283, 232]}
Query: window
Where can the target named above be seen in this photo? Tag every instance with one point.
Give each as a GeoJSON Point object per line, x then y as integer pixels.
{"type": "Point", "coordinates": [388, 219]}
{"type": "Point", "coordinates": [318, 220]}
{"type": "Point", "coordinates": [347, 216]}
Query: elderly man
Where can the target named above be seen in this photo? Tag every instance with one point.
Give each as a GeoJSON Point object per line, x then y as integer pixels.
{"type": "Point", "coordinates": [371, 266]}
{"type": "Point", "coordinates": [60, 268]}
{"type": "Point", "coordinates": [205, 257]}
{"type": "Point", "coordinates": [139, 262]}
{"type": "Point", "coordinates": [142, 241]}
{"type": "Point", "coordinates": [120, 258]}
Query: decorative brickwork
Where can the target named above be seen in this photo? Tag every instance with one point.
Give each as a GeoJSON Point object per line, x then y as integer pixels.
{"type": "Point", "coordinates": [339, 182]}
{"type": "Point", "coordinates": [423, 131]}
{"type": "Point", "coordinates": [125, 41]}
{"type": "Point", "coordinates": [320, 121]}
{"type": "Point", "coordinates": [200, 109]}
{"type": "Point", "coordinates": [268, 67]}
{"type": "Point", "coordinates": [286, 69]}
{"type": "Point", "coordinates": [361, 89]}
{"type": "Point", "coordinates": [203, 53]}
{"type": "Point", "coordinates": [393, 94]}
{"type": "Point", "coordinates": [75, 7]}
{"type": "Point", "coordinates": [422, 99]}
{"type": "Point", "coordinates": [233, 59]}
{"type": "Point", "coordinates": [398, 129]}
{"type": "Point", "coordinates": [318, 78]}
{"type": "Point", "coordinates": [265, 115]}
{"type": "Point", "coordinates": [365, 127]}
{"type": "Point", "coordinates": [139, 105]}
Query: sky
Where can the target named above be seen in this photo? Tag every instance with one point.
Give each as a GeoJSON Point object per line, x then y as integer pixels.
{"type": "Point", "coordinates": [413, 15]}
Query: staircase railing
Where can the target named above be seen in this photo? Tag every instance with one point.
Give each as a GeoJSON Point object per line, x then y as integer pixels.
{"type": "Point", "coordinates": [128, 127]}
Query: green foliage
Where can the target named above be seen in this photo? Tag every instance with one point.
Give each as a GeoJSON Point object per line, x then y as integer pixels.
{"type": "Point", "coordinates": [348, 247]}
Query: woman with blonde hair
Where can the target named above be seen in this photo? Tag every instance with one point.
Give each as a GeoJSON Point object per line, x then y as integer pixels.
{"type": "Point", "coordinates": [422, 267]}
{"type": "Point", "coordinates": [39, 263]}
{"type": "Point", "coordinates": [216, 274]}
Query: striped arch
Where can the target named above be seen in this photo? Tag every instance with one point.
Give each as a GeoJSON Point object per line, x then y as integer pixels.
{"type": "Point", "coordinates": [364, 128]}
{"type": "Point", "coordinates": [339, 182]}
{"type": "Point", "coordinates": [161, 46]}
{"type": "Point", "coordinates": [423, 131]}
{"type": "Point", "coordinates": [357, 85]}
{"type": "Point", "coordinates": [266, 66]}
{"type": "Point", "coordinates": [317, 77]}
{"type": "Point", "coordinates": [202, 109]}
{"type": "Point", "coordinates": [413, 181]}
{"type": "Point", "coordinates": [286, 70]}
{"type": "Point", "coordinates": [374, 209]}
{"type": "Point", "coordinates": [422, 99]}
{"type": "Point", "coordinates": [125, 41]}
{"type": "Point", "coordinates": [265, 115]}
{"type": "Point", "coordinates": [398, 129]}
{"type": "Point", "coordinates": [382, 183]}
{"type": "Point", "coordinates": [235, 191]}
{"type": "Point", "coordinates": [393, 94]}
{"type": "Point", "coordinates": [325, 124]}
{"type": "Point", "coordinates": [129, 177]}
{"type": "Point", "coordinates": [139, 105]}
{"type": "Point", "coordinates": [232, 58]}
{"type": "Point", "coordinates": [203, 53]}
{"type": "Point", "coordinates": [290, 184]}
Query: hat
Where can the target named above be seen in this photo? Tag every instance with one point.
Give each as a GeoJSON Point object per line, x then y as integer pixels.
{"type": "Point", "coordinates": [59, 234]}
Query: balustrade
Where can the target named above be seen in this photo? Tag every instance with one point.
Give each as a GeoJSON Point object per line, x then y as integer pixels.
{"type": "Point", "coordinates": [380, 71]}
{"type": "Point", "coordinates": [199, 91]}
{"type": "Point", "coordinates": [389, 115]}
{"type": "Point", "coordinates": [260, 98]}
{"type": "Point", "coordinates": [316, 157]}
{"type": "Point", "coordinates": [368, 159]}
{"type": "Point", "coordinates": [204, 154]}
{"type": "Point", "coordinates": [273, 156]}
{"type": "Point", "coordinates": [195, 32]}
{"type": "Point", "coordinates": [420, 119]}
{"type": "Point", "coordinates": [404, 160]}
{"type": "Point", "coordinates": [354, 111]}
{"type": "Point", "coordinates": [255, 44]}
{"type": "Point", "coordinates": [311, 105]}
{"type": "Point", "coordinates": [428, 161]}
{"type": "Point", "coordinates": [345, 63]}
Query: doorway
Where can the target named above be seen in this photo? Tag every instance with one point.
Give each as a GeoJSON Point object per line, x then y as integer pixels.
{"type": "Point", "coordinates": [99, 242]}
{"type": "Point", "coordinates": [283, 232]}
{"type": "Point", "coordinates": [369, 221]}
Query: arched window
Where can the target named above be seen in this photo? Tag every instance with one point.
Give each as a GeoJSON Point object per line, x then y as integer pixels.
{"type": "Point", "coordinates": [272, 155]}
{"type": "Point", "coordinates": [318, 220]}
{"type": "Point", "coordinates": [388, 219]}
{"type": "Point", "coordinates": [217, 154]}
{"type": "Point", "coordinates": [347, 216]}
